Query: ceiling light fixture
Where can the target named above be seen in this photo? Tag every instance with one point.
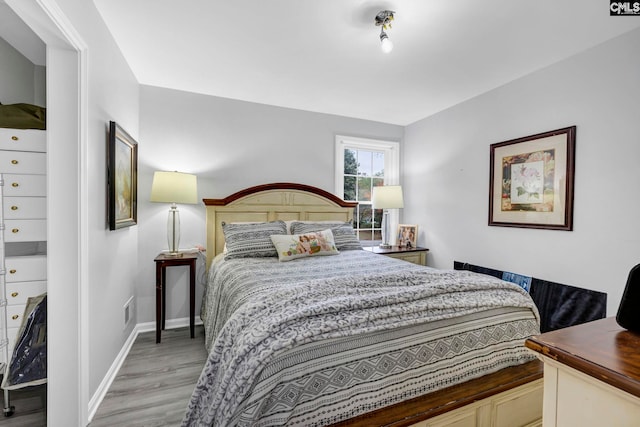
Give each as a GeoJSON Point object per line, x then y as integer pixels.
{"type": "Point", "coordinates": [383, 19]}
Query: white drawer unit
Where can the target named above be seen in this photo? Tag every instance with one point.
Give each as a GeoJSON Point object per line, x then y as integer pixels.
{"type": "Point", "coordinates": [25, 185]}
{"type": "Point", "coordinates": [12, 334]}
{"type": "Point", "coordinates": [25, 208]}
{"type": "Point", "coordinates": [591, 375]}
{"type": "Point", "coordinates": [14, 315]}
{"type": "Point", "coordinates": [25, 230]}
{"type": "Point", "coordinates": [23, 213]}
{"type": "Point", "coordinates": [23, 162]}
{"type": "Point", "coordinates": [25, 268]}
{"type": "Point", "coordinates": [19, 292]}
{"type": "Point", "coordinates": [23, 140]}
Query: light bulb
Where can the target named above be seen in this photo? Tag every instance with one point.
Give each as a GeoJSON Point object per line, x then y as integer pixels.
{"type": "Point", "coordinates": [385, 43]}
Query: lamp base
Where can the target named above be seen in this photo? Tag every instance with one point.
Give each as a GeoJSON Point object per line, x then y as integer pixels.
{"type": "Point", "coordinates": [174, 254]}
{"type": "Point", "coordinates": [173, 230]}
{"type": "Point", "coordinates": [385, 230]}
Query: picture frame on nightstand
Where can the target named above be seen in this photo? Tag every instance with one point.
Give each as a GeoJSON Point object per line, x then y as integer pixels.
{"type": "Point", "coordinates": [407, 236]}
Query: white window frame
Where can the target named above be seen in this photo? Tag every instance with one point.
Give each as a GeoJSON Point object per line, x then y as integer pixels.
{"type": "Point", "coordinates": [391, 150]}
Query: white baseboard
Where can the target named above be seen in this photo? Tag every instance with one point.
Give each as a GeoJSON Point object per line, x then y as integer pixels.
{"type": "Point", "coordinates": [103, 388]}
{"type": "Point", "coordinates": [97, 397]}
{"type": "Point", "coordinates": [169, 324]}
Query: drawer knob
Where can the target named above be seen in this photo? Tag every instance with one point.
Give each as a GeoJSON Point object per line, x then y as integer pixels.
{"type": "Point", "coordinates": [15, 230]}
{"type": "Point", "coordinates": [15, 138]}
{"type": "Point", "coordinates": [14, 317]}
{"type": "Point", "coordinates": [14, 208]}
{"type": "Point", "coordinates": [15, 184]}
{"type": "Point", "coordinates": [14, 162]}
{"type": "Point", "coordinates": [13, 271]}
{"type": "Point", "coordinates": [14, 294]}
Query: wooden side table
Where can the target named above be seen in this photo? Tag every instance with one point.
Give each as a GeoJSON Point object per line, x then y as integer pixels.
{"type": "Point", "coordinates": [591, 375]}
{"type": "Point", "coordinates": [416, 255]}
{"type": "Point", "coordinates": [162, 262]}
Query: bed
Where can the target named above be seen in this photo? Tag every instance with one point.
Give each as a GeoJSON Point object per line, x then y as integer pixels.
{"type": "Point", "coordinates": [352, 338]}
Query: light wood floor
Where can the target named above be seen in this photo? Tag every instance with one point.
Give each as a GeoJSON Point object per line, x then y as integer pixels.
{"type": "Point", "coordinates": [152, 387]}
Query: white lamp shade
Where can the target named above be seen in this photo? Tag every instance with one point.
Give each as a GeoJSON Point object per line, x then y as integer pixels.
{"type": "Point", "coordinates": [174, 187]}
{"type": "Point", "coordinates": [387, 197]}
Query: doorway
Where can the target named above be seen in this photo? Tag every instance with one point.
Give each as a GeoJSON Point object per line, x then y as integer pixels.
{"type": "Point", "coordinates": [67, 320]}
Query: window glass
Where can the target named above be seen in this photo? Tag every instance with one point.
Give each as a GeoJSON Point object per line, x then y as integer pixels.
{"type": "Point", "coordinates": [363, 167]}
{"type": "Point", "coordinates": [350, 162]}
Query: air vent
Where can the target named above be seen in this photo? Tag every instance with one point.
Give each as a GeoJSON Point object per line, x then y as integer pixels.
{"type": "Point", "coordinates": [128, 308]}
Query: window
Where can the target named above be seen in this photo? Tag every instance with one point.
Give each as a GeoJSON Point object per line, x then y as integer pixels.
{"type": "Point", "coordinates": [362, 164]}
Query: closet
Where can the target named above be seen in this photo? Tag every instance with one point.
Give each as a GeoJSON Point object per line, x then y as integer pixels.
{"type": "Point", "coordinates": [23, 234]}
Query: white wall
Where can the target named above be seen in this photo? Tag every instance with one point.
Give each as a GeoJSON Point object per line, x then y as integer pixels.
{"type": "Point", "coordinates": [40, 85]}
{"type": "Point", "coordinates": [230, 145]}
{"type": "Point", "coordinates": [20, 80]}
{"type": "Point", "coordinates": [446, 172]}
{"type": "Point", "coordinates": [113, 255]}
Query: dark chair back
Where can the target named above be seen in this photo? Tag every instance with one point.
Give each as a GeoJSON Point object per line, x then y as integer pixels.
{"type": "Point", "coordinates": [629, 311]}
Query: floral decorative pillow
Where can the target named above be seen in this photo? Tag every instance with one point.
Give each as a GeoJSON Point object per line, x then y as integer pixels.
{"type": "Point", "coordinates": [294, 246]}
{"type": "Point", "coordinates": [343, 233]}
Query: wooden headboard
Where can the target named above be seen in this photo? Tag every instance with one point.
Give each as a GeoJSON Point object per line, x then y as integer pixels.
{"type": "Point", "coordinates": [270, 202]}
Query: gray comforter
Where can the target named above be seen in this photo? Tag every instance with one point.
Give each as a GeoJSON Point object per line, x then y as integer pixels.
{"type": "Point", "coordinates": [318, 340]}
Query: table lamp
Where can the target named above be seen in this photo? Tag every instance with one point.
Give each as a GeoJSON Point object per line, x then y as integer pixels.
{"type": "Point", "coordinates": [387, 197]}
{"type": "Point", "coordinates": [174, 187]}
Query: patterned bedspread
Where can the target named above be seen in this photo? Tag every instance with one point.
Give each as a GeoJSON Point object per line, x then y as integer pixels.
{"type": "Point", "coordinates": [318, 340]}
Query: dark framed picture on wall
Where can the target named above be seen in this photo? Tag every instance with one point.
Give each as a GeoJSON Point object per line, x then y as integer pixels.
{"type": "Point", "coordinates": [122, 178]}
{"type": "Point", "coordinates": [531, 181]}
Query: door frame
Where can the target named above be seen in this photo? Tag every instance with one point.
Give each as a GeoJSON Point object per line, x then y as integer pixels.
{"type": "Point", "coordinates": [67, 211]}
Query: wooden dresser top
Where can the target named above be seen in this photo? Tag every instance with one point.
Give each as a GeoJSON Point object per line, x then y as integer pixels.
{"type": "Point", "coordinates": [601, 349]}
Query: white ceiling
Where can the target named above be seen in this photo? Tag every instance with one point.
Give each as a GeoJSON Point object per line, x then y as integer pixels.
{"type": "Point", "coordinates": [15, 32]}
{"type": "Point", "coordinates": [324, 55]}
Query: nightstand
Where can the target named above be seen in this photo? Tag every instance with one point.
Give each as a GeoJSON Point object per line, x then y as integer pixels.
{"type": "Point", "coordinates": [591, 374]}
{"type": "Point", "coordinates": [416, 255]}
{"type": "Point", "coordinates": [162, 262]}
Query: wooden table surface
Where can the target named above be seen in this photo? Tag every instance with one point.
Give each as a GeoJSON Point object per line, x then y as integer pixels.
{"type": "Point", "coordinates": [601, 349]}
{"type": "Point", "coordinates": [394, 249]}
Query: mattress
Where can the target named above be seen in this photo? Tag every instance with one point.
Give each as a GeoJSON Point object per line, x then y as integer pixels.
{"type": "Point", "coordinates": [319, 340]}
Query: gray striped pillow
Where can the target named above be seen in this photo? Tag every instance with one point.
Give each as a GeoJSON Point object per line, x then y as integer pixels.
{"type": "Point", "coordinates": [251, 240]}
{"type": "Point", "coordinates": [344, 235]}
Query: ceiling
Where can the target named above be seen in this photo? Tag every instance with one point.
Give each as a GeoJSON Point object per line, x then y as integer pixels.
{"type": "Point", "coordinates": [15, 32]}
{"type": "Point", "coordinates": [324, 55]}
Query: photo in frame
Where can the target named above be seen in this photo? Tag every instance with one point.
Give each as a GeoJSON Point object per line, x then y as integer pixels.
{"type": "Point", "coordinates": [532, 179]}
{"type": "Point", "coordinates": [407, 236]}
{"type": "Point", "coordinates": [122, 178]}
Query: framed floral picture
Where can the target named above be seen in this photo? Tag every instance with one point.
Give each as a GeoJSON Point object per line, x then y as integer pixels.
{"type": "Point", "coordinates": [531, 181]}
{"type": "Point", "coordinates": [407, 236]}
{"type": "Point", "coordinates": [122, 180]}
